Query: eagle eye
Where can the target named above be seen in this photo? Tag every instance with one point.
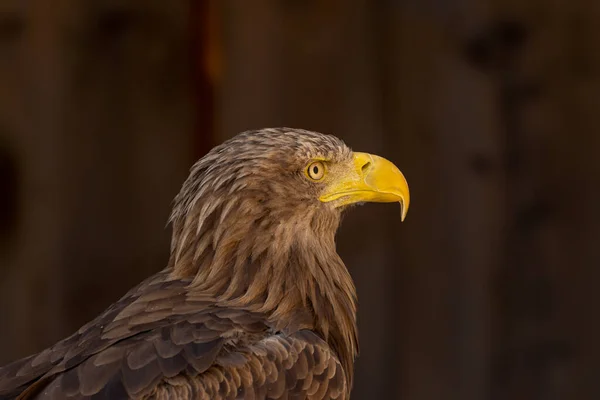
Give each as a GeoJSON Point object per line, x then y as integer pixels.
{"type": "Point", "coordinates": [316, 170]}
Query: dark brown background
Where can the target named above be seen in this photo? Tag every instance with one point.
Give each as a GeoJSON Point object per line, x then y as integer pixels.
{"type": "Point", "coordinates": [491, 108]}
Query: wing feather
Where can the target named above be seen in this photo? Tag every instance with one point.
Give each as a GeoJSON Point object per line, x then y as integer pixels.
{"type": "Point", "coordinates": [135, 343]}
{"type": "Point", "coordinates": [156, 342]}
{"type": "Point", "coordinates": [299, 366]}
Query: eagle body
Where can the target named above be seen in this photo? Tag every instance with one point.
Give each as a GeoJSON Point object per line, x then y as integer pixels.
{"type": "Point", "coordinates": [254, 303]}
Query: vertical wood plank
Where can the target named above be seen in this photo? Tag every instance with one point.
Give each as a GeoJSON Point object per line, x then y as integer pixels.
{"type": "Point", "coordinates": [100, 104]}
{"type": "Point", "coordinates": [440, 117]}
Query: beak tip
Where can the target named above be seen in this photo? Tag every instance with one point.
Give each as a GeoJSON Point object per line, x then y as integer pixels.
{"type": "Point", "coordinates": [403, 210]}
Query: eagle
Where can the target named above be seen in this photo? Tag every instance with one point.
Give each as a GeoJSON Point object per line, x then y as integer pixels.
{"type": "Point", "coordinates": [254, 303]}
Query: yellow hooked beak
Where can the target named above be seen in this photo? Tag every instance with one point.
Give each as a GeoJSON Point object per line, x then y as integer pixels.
{"type": "Point", "coordinates": [371, 179]}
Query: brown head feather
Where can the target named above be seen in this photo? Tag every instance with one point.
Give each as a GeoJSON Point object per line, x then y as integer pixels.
{"type": "Point", "coordinates": [248, 227]}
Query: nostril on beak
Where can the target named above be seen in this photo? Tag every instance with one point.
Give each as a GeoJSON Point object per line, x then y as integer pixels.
{"type": "Point", "coordinates": [366, 167]}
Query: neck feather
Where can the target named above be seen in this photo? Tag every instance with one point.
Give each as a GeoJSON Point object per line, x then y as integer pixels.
{"type": "Point", "coordinates": [291, 271]}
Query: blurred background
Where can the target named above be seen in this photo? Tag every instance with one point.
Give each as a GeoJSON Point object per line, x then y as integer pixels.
{"type": "Point", "coordinates": [491, 109]}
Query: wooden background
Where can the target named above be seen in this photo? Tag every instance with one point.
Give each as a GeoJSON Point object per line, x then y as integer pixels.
{"type": "Point", "coordinates": [491, 108]}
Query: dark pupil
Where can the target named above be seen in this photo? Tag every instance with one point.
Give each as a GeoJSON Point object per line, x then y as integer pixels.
{"type": "Point", "coordinates": [315, 170]}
